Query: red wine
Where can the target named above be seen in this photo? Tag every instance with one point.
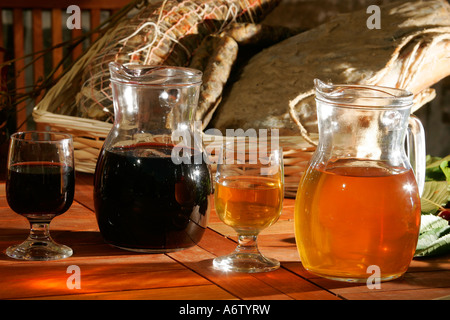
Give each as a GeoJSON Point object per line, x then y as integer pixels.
{"type": "Point", "coordinates": [144, 201]}
{"type": "Point", "coordinates": [40, 190]}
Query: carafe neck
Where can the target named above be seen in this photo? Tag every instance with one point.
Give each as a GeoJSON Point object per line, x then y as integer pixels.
{"type": "Point", "coordinates": [149, 109]}
{"type": "Point", "coordinates": [369, 123]}
{"type": "Point", "coordinates": [151, 102]}
{"type": "Point", "coordinates": [362, 132]}
{"type": "Point", "coordinates": [362, 121]}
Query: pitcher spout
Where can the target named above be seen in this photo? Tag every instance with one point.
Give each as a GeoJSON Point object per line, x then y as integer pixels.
{"type": "Point", "coordinates": [362, 95]}
{"type": "Point", "coordinates": [154, 75]}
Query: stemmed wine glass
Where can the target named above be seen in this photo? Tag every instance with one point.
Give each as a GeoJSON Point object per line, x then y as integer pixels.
{"type": "Point", "coordinates": [249, 191]}
{"type": "Point", "coordinates": [40, 185]}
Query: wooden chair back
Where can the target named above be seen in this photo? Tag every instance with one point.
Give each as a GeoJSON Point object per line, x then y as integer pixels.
{"type": "Point", "coordinates": [57, 9]}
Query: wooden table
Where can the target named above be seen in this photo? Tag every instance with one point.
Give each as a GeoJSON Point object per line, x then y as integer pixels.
{"type": "Point", "coordinates": [106, 272]}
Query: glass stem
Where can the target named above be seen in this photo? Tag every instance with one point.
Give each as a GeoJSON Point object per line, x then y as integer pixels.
{"type": "Point", "coordinates": [40, 231]}
{"type": "Point", "coordinates": [247, 244]}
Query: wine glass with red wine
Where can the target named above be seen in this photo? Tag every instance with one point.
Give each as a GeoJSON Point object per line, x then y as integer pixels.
{"type": "Point", "coordinates": [40, 185]}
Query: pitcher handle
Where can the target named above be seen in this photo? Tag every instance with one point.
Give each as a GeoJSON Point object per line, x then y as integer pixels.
{"type": "Point", "coordinates": [415, 145]}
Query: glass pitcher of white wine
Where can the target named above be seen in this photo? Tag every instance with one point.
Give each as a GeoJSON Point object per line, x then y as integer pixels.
{"type": "Point", "coordinates": [358, 202]}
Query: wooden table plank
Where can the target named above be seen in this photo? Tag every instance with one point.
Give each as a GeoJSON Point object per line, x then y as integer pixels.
{"type": "Point", "coordinates": [108, 273]}
{"type": "Point", "coordinates": [433, 284]}
{"type": "Point", "coordinates": [244, 286]}
{"type": "Point", "coordinates": [285, 284]}
{"type": "Point", "coordinates": [202, 292]}
{"type": "Point", "coordinates": [84, 188]}
{"type": "Point", "coordinates": [43, 284]}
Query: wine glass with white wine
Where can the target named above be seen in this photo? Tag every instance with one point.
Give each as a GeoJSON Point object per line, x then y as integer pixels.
{"type": "Point", "coordinates": [249, 191]}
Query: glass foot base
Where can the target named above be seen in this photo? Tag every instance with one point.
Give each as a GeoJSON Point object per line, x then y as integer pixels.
{"type": "Point", "coordinates": [249, 263]}
{"type": "Point", "coordinates": [360, 280]}
{"type": "Point", "coordinates": [39, 251]}
{"type": "Point", "coordinates": [351, 278]}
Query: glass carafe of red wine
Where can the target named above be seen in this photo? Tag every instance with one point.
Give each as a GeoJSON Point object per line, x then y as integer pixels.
{"type": "Point", "coordinates": [152, 187]}
{"type": "Point", "coordinates": [357, 211]}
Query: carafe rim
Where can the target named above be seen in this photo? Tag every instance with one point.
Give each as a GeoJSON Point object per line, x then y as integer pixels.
{"type": "Point", "coordinates": [154, 75]}
{"type": "Point", "coordinates": [362, 96]}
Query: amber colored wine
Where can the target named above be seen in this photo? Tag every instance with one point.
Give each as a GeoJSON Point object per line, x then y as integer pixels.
{"type": "Point", "coordinates": [348, 218]}
{"type": "Point", "coordinates": [249, 204]}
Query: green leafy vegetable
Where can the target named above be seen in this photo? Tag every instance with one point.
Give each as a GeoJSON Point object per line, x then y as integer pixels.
{"type": "Point", "coordinates": [434, 235]}
{"type": "Point", "coordinates": [434, 171]}
{"type": "Point", "coordinates": [445, 169]}
{"type": "Point", "coordinates": [434, 196]}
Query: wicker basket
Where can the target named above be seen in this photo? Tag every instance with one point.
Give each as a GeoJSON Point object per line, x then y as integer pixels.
{"type": "Point", "coordinates": [89, 135]}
